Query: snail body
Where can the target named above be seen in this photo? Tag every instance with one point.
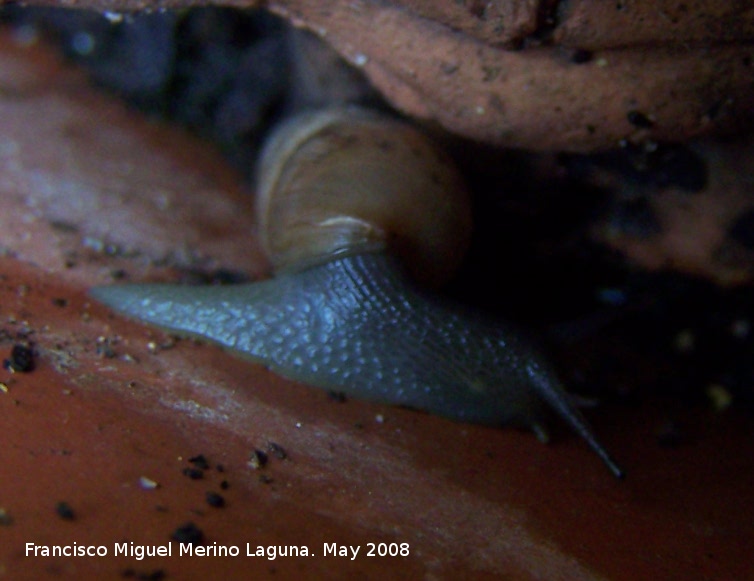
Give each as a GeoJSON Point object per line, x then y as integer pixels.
{"type": "Point", "coordinates": [344, 311]}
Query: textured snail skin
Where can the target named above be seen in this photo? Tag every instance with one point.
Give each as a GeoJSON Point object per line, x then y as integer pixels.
{"type": "Point", "coordinates": [357, 325]}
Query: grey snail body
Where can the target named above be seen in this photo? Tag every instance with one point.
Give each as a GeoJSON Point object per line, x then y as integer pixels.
{"type": "Point", "coordinates": [345, 314]}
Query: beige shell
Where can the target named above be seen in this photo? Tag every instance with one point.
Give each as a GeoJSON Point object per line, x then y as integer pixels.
{"type": "Point", "coordinates": [348, 181]}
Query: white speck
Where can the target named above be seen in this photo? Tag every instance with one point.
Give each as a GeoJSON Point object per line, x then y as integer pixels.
{"type": "Point", "coordinates": [148, 483]}
{"type": "Point", "coordinates": [360, 59]}
{"type": "Point", "coordinates": [113, 17]}
{"type": "Point", "coordinates": [480, 110]}
{"type": "Point", "coordinates": [379, 418]}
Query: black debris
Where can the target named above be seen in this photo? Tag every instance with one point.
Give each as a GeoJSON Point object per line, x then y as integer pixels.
{"type": "Point", "coordinates": [193, 473]}
{"type": "Point", "coordinates": [188, 533]}
{"type": "Point", "coordinates": [21, 359]}
{"type": "Point", "coordinates": [257, 460]}
{"type": "Point", "coordinates": [215, 500]}
{"type": "Point", "coordinates": [200, 462]}
{"type": "Point", "coordinates": [277, 450]}
{"type": "Point", "coordinates": [638, 119]}
{"type": "Point", "coordinates": [65, 511]}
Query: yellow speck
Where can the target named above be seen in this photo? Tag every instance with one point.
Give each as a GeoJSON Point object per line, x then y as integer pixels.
{"type": "Point", "coordinates": [685, 341]}
{"type": "Point", "coordinates": [720, 397]}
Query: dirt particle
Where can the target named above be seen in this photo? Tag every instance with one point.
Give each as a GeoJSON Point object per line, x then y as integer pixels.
{"type": "Point", "coordinates": [215, 500]}
{"type": "Point", "coordinates": [65, 511]}
{"type": "Point", "coordinates": [193, 473]}
{"type": "Point", "coordinates": [188, 533]}
{"type": "Point", "coordinates": [105, 348]}
{"type": "Point", "coordinates": [199, 462]}
{"type": "Point", "coordinates": [277, 450]}
{"type": "Point", "coordinates": [639, 119]}
{"type": "Point", "coordinates": [21, 359]}
{"type": "Point", "coordinates": [257, 460]}
{"type": "Point", "coordinates": [336, 396]}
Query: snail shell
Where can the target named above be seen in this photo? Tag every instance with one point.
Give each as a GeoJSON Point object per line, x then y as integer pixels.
{"type": "Point", "coordinates": [348, 181]}
{"type": "Point", "coordinates": [346, 198]}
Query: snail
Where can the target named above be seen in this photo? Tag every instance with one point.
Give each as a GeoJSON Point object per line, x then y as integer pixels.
{"type": "Point", "coordinates": [361, 215]}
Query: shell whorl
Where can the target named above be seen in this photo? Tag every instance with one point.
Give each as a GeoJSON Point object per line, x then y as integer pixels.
{"type": "Point", "coordinates": [348, 180]}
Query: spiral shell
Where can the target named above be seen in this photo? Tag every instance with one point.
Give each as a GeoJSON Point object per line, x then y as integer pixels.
{"type": "Point", "coordinates": [347, 181]}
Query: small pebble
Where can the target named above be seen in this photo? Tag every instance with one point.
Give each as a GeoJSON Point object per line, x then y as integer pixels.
{"type": "Point", "coordinates": [188, 533]}
{"type": "Point", "coordinates": [277, 450]}
{"type": "Point", "coordinates": [638, 119]}
{"type": "Point", "coordinates": [65, 511]}
{"type": "Point", "coordinates": [21, 359]}
{"type": "Point", "coordinates": [193, 473]}
{"type": "Point", "coordinates": [257, 460]}
{"type": "Point", "coordinates": [200, 462]}
{"type": "Point", "coordinates": [215, 500]}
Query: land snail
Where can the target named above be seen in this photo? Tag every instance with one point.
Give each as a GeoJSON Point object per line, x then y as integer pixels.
{"type": "Point", "coordinates": [361, 215]}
